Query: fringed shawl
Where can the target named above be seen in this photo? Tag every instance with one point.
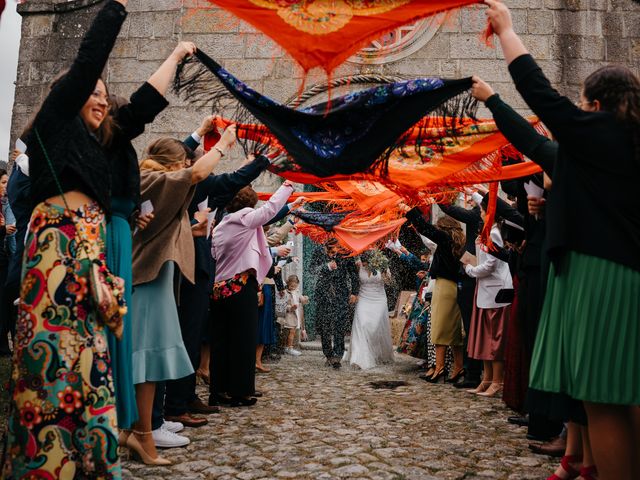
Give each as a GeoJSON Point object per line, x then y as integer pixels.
{"type": "Point", "coordinates": [318, 33]}
{"type": "Point", "coordinates": [354, 133]}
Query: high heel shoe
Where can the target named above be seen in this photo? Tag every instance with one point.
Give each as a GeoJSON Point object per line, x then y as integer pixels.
{"type": "Point", "coordinates": [438, 375]}
{"type": "Point", "coordinates": [589, 473]}
{"type": "Point", "coordinates": [480, 388]}
{"type": "Point", "coordinates": [565, 463]}
{"type": "Point", "coordinates": [123, 436]}
{"type": "Point", "coordinates": [492, 391]}
{"type": "Point", "coordinates": [136, 447]}
{"type": "Point", "coordinates": [206, 379]}
{"type": "Point", "coordinates": [461, 373]}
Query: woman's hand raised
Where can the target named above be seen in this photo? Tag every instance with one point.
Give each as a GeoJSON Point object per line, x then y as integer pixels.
{"type": "Point", "coordinates": [499, 16]}
{"type": "Point", "coordinates": [184, 49]}
{"type": "Point", "coordinates": [228, 138]}
{"type": "Point", "coordinates": [481, 90]}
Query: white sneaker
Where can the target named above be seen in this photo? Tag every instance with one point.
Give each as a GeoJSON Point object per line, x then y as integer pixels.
{"type": "Point", "coordinates": [163, 438]}
{"type": "Point", "coordinates": [174, 427]}
{"type": "Point", "coordinates": [293, 351]}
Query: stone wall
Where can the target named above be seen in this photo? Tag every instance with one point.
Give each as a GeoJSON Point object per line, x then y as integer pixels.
{"type": "Point", "coordinates": [570, 38]}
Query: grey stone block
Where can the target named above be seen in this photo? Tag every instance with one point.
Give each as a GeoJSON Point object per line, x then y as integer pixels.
{"type": "Point", "coordinates": [618, 50]}
{"type": "Point", "coordinates": [469, 46]}
{"type": "Point", "coordinates": [540, 22]}
{"type": "Point", "coordinates": [569, 38]}
{"type": "Point", "coordinates": [125, 48]}
{"type": "Point", "coordinates": [155, 49]}
{"type": "Point", "coordinates": [130, 70]}
{"type": "Point", "coordinates": [219, 46]}
{"type": "Point", "coordinates": [488, 70]}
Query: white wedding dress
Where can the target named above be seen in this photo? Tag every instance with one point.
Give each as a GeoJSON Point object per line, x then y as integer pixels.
{"type": "Point", "coordinates": [371, 343]}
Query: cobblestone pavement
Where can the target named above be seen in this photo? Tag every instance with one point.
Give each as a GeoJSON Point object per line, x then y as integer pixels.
{"type": "Point", "coordinates": [318, 423]}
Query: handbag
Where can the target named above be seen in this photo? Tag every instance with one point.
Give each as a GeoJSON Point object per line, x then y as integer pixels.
{"type": "Point", "coordinates": [505, 295]}
{"type": "Point", "coordinates": [107, 290]}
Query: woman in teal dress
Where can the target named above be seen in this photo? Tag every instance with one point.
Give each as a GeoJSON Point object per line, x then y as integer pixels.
{"type": "Point", "coordinates": [588, 343]}
{"type": "Point", "coordinates": [131, 117]}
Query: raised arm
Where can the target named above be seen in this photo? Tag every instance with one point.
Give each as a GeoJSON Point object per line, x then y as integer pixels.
{"type": "Point", "coordinates": [422, 226]}
{"type": "Point", "coordinates": [460, 214]}
{"type": "Point", "coordinates": [260, 216]}
{"type": "Point", "coordinates": [148, 101]}
{"type": "Point", "coordinates": [503, 209]}
{"type": "Point", "coordinates": [162, 78]}
{"type": "Point", "coordinates": [228, 184]}
{"type": "Point", "coordinates": [552, 108]}
{"type": "Point", "coordinates": [205, 164]}
{"type": "Point", "coordinates": [144, 106]}
{"type": "Point", "coordinates": [277, 237]}
{"type": "Point", "coordinates": [487, 267]}
{"type": "Point", "coordinates": [515, 128]}
{"type": "Point", "coordinates": [71, 92]}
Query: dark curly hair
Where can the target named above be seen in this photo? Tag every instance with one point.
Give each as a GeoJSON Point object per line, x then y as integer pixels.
{"type": "Point", "coordinates": [247, 197]}
{"type": "Point", "coordinates": [618, 91]}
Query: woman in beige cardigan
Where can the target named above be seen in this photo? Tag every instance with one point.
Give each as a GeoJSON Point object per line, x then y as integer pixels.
{"type": "Point", "coordinates": [166, 244]}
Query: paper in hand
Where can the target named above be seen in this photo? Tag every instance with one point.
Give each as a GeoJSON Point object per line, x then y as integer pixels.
{"type": "Point", "coordinates": [146, 208]}
{"type": "Point", "coordinates": [469, 259]}
{"type": "Point", "coordinates": [533, 190]}
{"type": "Point", "coordinates": [203, 205]}
{"type": "Point", "coordinates": [211, 217]}
{"type": "Point", "coordinates": [21, 146]}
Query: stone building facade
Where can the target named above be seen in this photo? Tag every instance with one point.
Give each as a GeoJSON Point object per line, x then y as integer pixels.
{"type": "Point", "coordinates": [570, 38]}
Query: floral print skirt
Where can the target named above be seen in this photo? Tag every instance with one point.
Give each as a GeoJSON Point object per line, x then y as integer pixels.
{"type": "Point", "coordinates": [62, 422]}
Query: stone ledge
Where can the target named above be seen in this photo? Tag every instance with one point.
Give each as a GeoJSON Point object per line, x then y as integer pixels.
{"type": "Point", "coordinates": [34, 7]}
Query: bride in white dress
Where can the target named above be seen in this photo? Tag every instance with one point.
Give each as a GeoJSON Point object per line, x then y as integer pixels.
{"type": "Point", "coordinates": [371, 343]}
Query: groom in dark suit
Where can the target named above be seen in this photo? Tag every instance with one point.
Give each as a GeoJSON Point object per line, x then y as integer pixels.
{"type": "Point", "coordinates": [337, 286]}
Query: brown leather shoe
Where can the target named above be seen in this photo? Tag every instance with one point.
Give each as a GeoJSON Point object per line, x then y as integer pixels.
{"type": "Point", "coordinates": [553, 448]}
{"type": "Point", "coordinates": [188, 420]}
{"type": "Point", "coordinates": [199, 407]}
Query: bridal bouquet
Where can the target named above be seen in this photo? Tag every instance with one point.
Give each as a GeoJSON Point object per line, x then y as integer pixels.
{"type": "Point", "coordinates": [376, 261]}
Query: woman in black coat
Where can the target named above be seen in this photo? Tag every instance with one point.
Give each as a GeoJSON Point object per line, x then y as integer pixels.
{"type": "Point", "coordinates": [63, 415]}
{"type": "Point", "coordinates": [588, 340]}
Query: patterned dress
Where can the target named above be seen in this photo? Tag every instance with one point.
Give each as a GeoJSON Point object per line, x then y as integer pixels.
{"type": "Point", "coordinates": [63, 415]}
{"type": "Point", "coordinates": [416, 337]}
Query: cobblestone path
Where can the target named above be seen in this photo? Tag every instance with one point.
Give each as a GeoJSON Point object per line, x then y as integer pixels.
{"type": "Point", "coordinates": [318, 423]}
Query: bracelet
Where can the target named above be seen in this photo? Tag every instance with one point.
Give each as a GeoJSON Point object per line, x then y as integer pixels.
{"type": "Point", "coordinates": [219, 150]}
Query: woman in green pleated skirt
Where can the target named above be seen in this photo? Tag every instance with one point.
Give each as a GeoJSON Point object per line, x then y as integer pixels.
{"type": "Point", "coordinates": [588, 343]}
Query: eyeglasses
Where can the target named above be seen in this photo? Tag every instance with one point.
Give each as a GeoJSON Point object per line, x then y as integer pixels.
{"type": "Point", "coordinates": [97, 94]}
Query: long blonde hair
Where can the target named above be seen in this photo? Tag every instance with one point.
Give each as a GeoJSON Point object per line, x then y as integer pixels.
{"type": "Point", "coordinates": [164, 155]}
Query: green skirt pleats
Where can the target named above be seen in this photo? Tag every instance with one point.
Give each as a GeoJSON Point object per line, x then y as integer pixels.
{"type": "Point", "coordinates": [588, 343]}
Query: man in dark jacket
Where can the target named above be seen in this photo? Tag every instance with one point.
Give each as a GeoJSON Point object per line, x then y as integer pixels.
{"type": "Point", "coordinates": [337, 286]}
